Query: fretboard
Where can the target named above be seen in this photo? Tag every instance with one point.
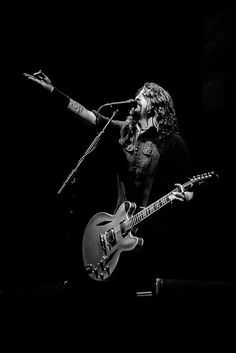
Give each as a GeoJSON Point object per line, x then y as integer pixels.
{"type": "Point", "coordinates": [153, 207]}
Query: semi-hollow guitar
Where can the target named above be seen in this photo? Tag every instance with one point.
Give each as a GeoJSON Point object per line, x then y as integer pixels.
{"type": "Point", "coordinates": [106, 235]}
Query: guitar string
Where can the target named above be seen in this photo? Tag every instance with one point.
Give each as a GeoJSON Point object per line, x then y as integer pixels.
{"type": "Point", "coordinates": [149, 210]}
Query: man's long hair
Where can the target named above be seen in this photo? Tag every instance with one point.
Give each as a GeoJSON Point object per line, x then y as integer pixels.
{"type": "Point", "coordinates": [160, 108]}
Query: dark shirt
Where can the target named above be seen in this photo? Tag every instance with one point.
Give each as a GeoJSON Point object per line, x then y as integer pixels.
{"type": "Point", "coordinates": [146, 172]}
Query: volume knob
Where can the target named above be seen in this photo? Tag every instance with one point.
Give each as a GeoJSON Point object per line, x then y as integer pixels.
{"type": "Point", "coordinates": [107, 268]}
{"type": "Point", "coordinates": [89, 268]}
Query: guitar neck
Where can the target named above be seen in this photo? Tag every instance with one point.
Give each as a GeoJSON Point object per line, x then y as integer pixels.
{"type": "Point", "coordinates": [155, 206]}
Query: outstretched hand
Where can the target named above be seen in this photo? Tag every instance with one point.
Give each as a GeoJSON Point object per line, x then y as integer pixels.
{"type": "Point", "coordinates": [40, 78]}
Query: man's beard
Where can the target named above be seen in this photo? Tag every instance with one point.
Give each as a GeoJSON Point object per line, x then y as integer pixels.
{"type": "Point", "coordinates": [135, 115]}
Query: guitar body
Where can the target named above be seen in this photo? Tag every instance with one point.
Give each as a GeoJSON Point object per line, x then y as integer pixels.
{"type": "Point", "coordinates": [106, 236]}
{"type": "Point", "coordinates": [104, 240]}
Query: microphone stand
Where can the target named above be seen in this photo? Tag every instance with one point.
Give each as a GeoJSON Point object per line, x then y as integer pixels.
{"type": "Point", "coordinates": [70, 211]}
{"type": "Point", "coordinates": [87, 152]}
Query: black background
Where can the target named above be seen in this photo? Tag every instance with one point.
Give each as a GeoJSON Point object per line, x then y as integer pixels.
{"type": "Point", "coordinates": [103, 52]}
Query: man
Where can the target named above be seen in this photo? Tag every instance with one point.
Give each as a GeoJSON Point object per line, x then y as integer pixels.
{"type": "Point", "coordinates": [151, 156]}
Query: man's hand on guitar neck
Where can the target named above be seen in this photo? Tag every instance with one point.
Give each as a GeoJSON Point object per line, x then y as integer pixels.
{"type": "Point", "coordinates": [181, 195]}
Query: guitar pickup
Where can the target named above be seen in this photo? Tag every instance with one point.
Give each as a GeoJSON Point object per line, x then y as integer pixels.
{"type": "Point", "coordinates": [111, 238]}
{"type": "Point", "coordinates": [123, 229]}
{"type": "Point", "coordinates": [103, 243]}
{"type": "Point", "coordinates": [107, 240]}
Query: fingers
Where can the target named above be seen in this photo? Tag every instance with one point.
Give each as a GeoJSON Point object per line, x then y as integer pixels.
{"type": "Point", "coordinates": [31, 77]}
{"type": "Point", "coordinates": [180, 187]}
{"type": "Point", "coordinates": [25, 74]}
{"type": "Point", "coordinates": [40, 74]}
{"type": "Point", "coordinates": [38, 77]}
{"type": "Point", "coordinates": [178, 195]}
{"type": "Point", "coordinates": [37, 73]}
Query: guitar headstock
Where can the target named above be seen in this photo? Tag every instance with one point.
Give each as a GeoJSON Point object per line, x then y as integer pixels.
{"type": "Point", "coordinates": [199, 179]}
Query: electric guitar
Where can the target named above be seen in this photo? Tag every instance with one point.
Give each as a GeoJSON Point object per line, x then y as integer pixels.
{"type": "Point", "coordinates": [106, 235]}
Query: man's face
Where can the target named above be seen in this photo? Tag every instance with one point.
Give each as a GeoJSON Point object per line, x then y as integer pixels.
{"type": "Point", "coordinates": [142, 103]}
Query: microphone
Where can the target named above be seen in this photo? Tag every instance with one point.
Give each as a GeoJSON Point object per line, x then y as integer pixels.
{"type": "Point", "coordinates": [130, 102]}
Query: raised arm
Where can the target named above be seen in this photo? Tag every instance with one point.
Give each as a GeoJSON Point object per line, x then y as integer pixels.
{"type": "Point", "coordinates": [75, 107]}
